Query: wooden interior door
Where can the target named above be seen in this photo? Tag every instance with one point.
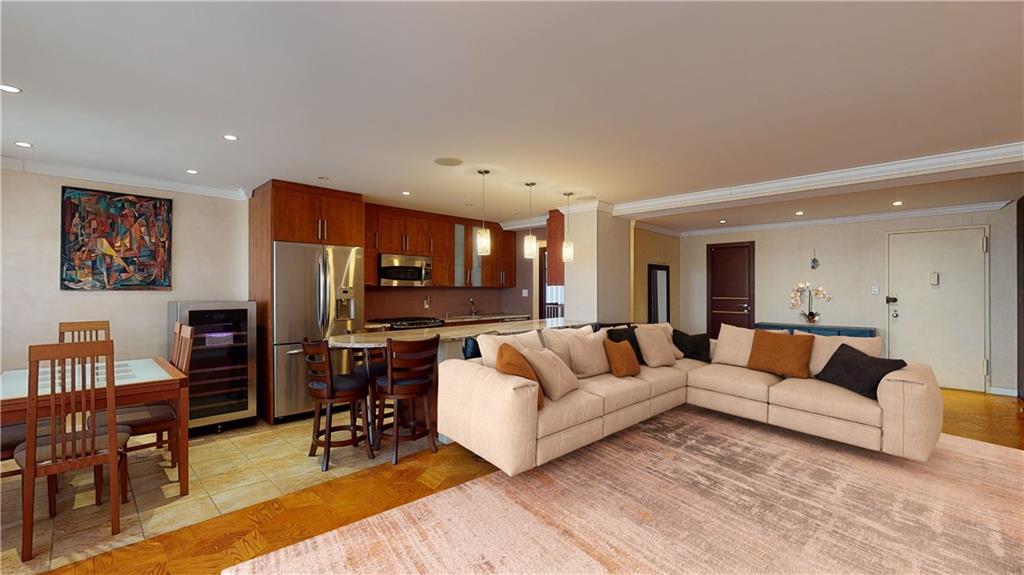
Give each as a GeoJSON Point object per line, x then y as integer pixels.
{"type": "Point", "coordinates": [730, 285]}
{"type": "Point", "coordinates": [295, 216]}
{"type": "Point", "coordinates": [417, 234]}
{"type": "Point", "coordinates": [390, 234]}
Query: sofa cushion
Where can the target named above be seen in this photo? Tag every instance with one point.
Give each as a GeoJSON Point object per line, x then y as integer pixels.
{"type": "Point", "coordinates": [557, 340]}
{"type": "Point", "coordinates": [826, 345]}
{"type": "Point", "coordinates": [621, 358]}
{"type": "Point", "coordinates": [555, 378]}
{"type": "Point", "coordinates": [858, 371]}
{"type": "Point", "coordinates": [628, 333]}
{"type": "Point", "coordinates": [656, 345]}
{"type": "Point", "coordinates": [781, 353]}
{"type": "Point", "coordinates": [572, 409]}
{"type": "Point", "coordinates": [512, 362]}
{"type": "Point", "coordinates": [662, 379]}
{"type": "Point", "coordinates": [490, 343]}
{"type": "Point", "coordinates": [815, 396]}
{"type": "Point", "coordinates": [617, 392]}
{"type": "Point", "coordinates": [732, 380]}
{"type": "Point", "coordinates": [588, 355]}
{"type": "Point", "coordinates": [686, 364]}
{"type": "Point", "coordinates": [693, 346]}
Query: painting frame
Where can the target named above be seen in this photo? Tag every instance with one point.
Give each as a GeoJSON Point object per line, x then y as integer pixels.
{"type": "Point", "coordinates": [114, 241]}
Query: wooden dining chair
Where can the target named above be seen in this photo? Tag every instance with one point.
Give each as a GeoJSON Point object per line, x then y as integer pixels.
{"type": "Point", "coordinates": [78, 331]}
{"type": "Point", "coordinates": [76, 375]}
{"type": "Point", "coordinates": [411, 375]}
{"type": "Point", "coordinates": [327, 388]}
{"type": "Point", "coordinates": [157, 418]}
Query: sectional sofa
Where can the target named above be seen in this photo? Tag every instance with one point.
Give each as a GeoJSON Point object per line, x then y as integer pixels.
{"type": "Point", "coordinates": [496, 415]}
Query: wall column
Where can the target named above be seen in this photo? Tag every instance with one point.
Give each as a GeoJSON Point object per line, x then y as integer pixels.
{"type": "Point", "coordinates": [597, 280]}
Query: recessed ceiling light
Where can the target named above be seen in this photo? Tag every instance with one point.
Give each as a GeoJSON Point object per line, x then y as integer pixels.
{"type": "Point", "coordinates": [898, 203]}
{"type": "Point", "coordinates": [10, 89]}
{"type": "Point", "coordinates": [721, 221]}
{"type": "Point", "coordinates": [448, 162]}
{"type": "Point", "coordinates": [324, 178]}
{"type": "Point", "coordinates": [193, 172]}
{"type": "Point", "coordinates": [800, 213]}
{"type": "Point", "coordinates": [231, 137]}
{"type": "Point", "coordinates": [406, 193]}
{"type": "Point", "coordinates": [23, 144]}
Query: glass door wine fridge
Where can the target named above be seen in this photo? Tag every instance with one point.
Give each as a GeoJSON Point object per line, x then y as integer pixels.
{"type": "Point", "coordinates": [222, 375]}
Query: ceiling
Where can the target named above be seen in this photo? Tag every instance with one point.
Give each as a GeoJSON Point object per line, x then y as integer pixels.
{"type": "Point", "coordinates": [623, 102]}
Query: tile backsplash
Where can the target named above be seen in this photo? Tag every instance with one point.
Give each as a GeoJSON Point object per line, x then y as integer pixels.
{"type": "Point", "coordinates": [386, 302]}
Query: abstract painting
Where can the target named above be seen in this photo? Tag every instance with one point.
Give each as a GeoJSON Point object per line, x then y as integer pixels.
{"type": "Point", "coordinates": [114, 241]}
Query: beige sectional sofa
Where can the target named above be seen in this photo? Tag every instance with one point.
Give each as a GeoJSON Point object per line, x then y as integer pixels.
{"type": "Point", "coordinates": [496, 416]}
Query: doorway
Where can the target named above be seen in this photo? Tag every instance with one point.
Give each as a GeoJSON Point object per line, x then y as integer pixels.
{"type": "Point", "coordinates": [658, 310]}
{"type": "Point", "coordinates": [938, 303]}
{"type": "Point", "coordinates": [730, 286]}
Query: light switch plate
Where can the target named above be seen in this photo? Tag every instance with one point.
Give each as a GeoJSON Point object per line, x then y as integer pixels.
{"type": "Point", "coordinates": [526, 293]}
{"type": "Point", "coordinates": [874, 290]}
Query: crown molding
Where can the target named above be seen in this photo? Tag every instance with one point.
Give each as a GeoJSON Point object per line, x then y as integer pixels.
{"type": "Point", "coordinates": [587, 206]}
{"type": "Point", "coordinates": [656, 229]}
{"type": "Point", "coordinates": [107, 177]}
{"type": "Point", "coordinates": [525, 223]}
{"type": "Point", "coordinates": [876, 217]}
{"type": "Point", "coordinates": [925, 165]}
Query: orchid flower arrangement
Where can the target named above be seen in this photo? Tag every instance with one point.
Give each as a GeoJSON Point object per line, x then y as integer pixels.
{"type": "Point", "coordinates": [796, 298]}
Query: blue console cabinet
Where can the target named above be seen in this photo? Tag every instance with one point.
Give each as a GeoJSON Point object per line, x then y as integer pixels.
{"type": "Point", "coordinates": [820, 329]}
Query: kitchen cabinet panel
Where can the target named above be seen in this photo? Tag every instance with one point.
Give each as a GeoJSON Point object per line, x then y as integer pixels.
{"type": "Point", "coordinates": [295, 216]}
{"type": "Point", "coordinates": [390, 233]}
{"type": "Point", "coordinates": [342, 221]}
{"type": "Point", "coordinates": [507, 269]}
{"type": "Point", "coordinates": [417, 236]}
{"type": "Point", "coordinates": [370, 261]}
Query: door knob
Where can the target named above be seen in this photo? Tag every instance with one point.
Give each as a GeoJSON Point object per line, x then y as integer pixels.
{"type": "Point", "coordinates": [745, 306]}
{"type": "Point", "coordinates": [895, 313]}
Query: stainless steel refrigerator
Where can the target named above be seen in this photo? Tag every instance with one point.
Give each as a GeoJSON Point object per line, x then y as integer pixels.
{"type": "Point", "coordinates": [318, 293]}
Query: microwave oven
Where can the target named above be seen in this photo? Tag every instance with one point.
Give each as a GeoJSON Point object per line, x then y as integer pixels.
{"type": "Point", "coordinates": [404, 271]}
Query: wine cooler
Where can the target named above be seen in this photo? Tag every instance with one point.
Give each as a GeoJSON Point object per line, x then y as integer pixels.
{"type": "Point", "coordinates": [222, 375]}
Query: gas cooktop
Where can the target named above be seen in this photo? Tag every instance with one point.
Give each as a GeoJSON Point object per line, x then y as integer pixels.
{"type": "Point", "coordinates": [410, 322]}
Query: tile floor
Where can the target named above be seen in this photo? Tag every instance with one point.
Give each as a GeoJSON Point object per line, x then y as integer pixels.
{"type": "Point", "coordinates": [228, 471]}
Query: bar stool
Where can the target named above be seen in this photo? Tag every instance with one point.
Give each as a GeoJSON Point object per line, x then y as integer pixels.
{"type": "Point", "coordinates": [327, 387]}
{"type": "Point", "coordinates": [411, 374]}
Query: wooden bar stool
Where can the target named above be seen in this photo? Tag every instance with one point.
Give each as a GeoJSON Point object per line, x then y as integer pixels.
{"type": "Point", "coordinates": [327, 387]}
{"type": "Point", "coordinates": [411, 374]}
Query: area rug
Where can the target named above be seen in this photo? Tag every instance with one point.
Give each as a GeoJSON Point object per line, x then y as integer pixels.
{"type": "Point", "coordinates": [692, 491]}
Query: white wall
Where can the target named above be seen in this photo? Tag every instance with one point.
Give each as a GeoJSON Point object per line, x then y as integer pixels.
{"type": "Point", "coordinates": [209, 258]}
{"type": "Point", "coordinates": [853, 258]}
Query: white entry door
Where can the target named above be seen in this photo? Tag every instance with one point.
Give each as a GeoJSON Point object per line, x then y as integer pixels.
{"type": "Point", "coordinates": [938, 279]}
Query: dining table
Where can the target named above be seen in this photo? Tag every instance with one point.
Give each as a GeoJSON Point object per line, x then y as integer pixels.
{"type": "Point", "coordinates": [136, 382]}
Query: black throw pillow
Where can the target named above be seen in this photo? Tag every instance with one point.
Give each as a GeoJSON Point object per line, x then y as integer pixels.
{"type": "Point", "coordinates": [627, 334]}
{"type": "Point", "coordinates": [857, 371]}
{"type": "Point", "coordinates": [693, 346]}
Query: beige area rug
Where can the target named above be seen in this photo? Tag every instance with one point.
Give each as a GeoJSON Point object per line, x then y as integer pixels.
{"type": "Point", "coordinates": [692, 491]}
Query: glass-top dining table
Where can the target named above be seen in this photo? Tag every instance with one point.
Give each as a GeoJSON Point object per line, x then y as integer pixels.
{"type": "Point", "coordinates": [136, 382]}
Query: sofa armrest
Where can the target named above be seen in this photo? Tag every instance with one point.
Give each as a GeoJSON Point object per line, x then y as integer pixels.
{"type": "Point", "coordinates": [490, 413]}
{"type": "Point", "coordinates": [911, 412]}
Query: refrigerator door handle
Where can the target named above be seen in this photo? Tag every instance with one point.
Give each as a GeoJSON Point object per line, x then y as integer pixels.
{"type": "Point", "coordinates": [320, 292]}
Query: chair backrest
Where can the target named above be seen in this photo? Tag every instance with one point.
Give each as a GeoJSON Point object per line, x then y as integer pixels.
{"type": "Point", "coordinates": [183, 359]}
{"type": "Point", "coordinates": [364, 358]}
{"type": "Point", "coordinates": [176, 342]}
{"type": "Point", "coordinates": [67, 379]}
{"type": "Point", "coordinates": [77, 331]}
{"type": "Point", "coordinates": [411, 364]}
{"type": "Point", "coordinates": [318, 366]}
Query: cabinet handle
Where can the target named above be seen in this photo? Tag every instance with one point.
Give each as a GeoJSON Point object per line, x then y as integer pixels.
{"type": "Point", "coordinates": [318, 236]}
{"type": "Point", "coordinates": [325, 228]}
{"type": "Point", "coordinates": [431, 245]}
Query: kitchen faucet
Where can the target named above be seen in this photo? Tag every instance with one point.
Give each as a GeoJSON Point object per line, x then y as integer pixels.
{"type": "Point", "coordinates": [472, 307]}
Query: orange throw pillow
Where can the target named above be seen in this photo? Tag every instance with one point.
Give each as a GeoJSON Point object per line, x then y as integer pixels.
{"type": "Point", "coordinates": [621, 358]}
{"type": "Point", "coordinates": [781, 354]}
{"type": "Point", "coordinates": [511, 362]}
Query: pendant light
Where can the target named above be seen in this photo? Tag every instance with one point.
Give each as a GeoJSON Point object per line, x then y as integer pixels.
{"type": "Point", "coordinates": [568, 250]}
{"type": "Point", "coordinates": [483, 235]}
{"type": "Point", "coordinates": [530, 241]}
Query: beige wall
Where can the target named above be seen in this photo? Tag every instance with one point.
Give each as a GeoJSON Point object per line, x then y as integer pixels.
{"type": "Point", "coordinates": [597, 280]}
{"type": "Point", "coordinates": [654, 248]}
{"type": "Point", "coordinates": [853, 258]}
{"type": "Point", "coordinates": [209, 258]}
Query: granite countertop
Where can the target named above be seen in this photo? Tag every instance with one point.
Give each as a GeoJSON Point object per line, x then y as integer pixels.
{"type": "Point", "coordinates": [486, 316]}
{"type": "Point", "coordinates": [448, 333]}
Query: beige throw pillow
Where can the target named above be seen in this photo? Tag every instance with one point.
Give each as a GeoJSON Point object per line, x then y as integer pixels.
{"type": "Point", "coordinates": [667, 328]}
{"type": "Point", "coordinates": [734, 344]}
{"type": "Point", "coordinates": [557, 340]}
{"type": "Point", "coordinates": [656, 347]}
{"type": "Point", "coordinates": [587, 353]}
{"type": "Point", "coordinates": [489, 344]}
{"type": "Point", "coordinates": [556, 379]}
{"type": "Point", "coordinates": [826, 345]}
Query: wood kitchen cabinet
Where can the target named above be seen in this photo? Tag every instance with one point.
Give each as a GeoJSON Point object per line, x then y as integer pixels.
{"type": "Point", "coordinates": [370, 257]}
{"type": "Point", "coordinates": [397, 232]}
{"type": "Point", "coordinates": [295, 216]}
{"type": "Point", "coordinates": [507, 261]}
{"type": "Point", "coordinates": [308, 214]}
{"type": "Point", "coordinates": [442, 251]}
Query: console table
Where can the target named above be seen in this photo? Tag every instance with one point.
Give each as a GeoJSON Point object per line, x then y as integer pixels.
{"type": "Point", "coordinates": [818, 329]}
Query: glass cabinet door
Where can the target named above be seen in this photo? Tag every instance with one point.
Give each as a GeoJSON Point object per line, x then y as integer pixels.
{"type": "Point", "coordinates": [476, 276]}
{"type": "Point", "coordinates": [460, 255]}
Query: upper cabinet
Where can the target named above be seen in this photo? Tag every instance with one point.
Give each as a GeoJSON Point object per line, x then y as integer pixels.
{"type": "Point", "coordinates": [309, 214]}
{"type": "Point", "coordinates": [396, 232]}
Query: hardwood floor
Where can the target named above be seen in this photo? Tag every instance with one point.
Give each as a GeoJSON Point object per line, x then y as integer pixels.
{"type": "Point", "coordinates": [212, 545]}
{"type": "Point", "coordinates": [985, 417]}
